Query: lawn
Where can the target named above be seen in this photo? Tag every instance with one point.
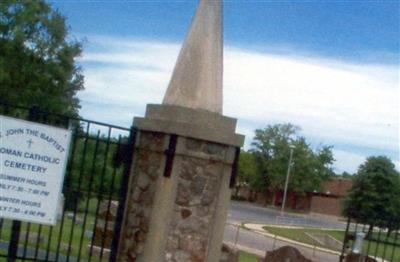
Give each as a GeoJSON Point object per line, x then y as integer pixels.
{"type": "Point", "coordinates": [74, 240]}
{"type": "Point", "coordinates": [50, 241]}
{"type": "Point", "coordinates": [247, 257]}
{"type": "Point", "coordinates": [298, 234]}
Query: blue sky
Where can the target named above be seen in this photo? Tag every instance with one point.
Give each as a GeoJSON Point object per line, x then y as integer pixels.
{"type": "Point", "coordinates": [358, 30]}
{"type": "Point", "coordinates": [330, 67]}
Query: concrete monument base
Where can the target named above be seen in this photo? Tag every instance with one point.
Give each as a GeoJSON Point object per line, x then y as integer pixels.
{"type": "Point", "coordinates": [179, 194]}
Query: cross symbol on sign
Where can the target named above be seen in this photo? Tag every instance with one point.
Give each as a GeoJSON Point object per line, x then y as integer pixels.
{"type": "Point", "coordinates": [30, 142]}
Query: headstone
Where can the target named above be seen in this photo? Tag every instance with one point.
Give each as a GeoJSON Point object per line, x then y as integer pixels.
{"type": "Point", "coordinates": [65, 246]}
{"type": "Point", "coordinates": [78, 220]}
{"type": "Point", "coordinates": [104, 231]}
{"type": "Point", "coordinates": [97, 251]}
{"type": "Point", "coordinates": [88, 234]}
{"type": "Point", "coordinates": [70, 215]}
{"type": "Point", "coordinates": [33, 237]}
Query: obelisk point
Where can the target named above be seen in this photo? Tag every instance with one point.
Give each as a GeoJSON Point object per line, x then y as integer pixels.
{"type": "Point", "coordinates": [197, 77]}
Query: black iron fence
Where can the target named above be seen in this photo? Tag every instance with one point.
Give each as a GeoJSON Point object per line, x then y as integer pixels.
{"type": "Point", "coordinates": [379, 243]}
{"type": "Point", "coordinates": [94, 193]}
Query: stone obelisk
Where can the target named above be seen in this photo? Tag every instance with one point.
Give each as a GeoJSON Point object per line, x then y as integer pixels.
{"type": "Point", "coordinates": [184, 157]}
{"type": "Point", "coordinates": [197, 78]}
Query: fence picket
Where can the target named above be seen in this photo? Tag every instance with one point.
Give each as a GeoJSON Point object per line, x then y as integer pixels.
{"type": "Point", "coordinates": [72, 239]}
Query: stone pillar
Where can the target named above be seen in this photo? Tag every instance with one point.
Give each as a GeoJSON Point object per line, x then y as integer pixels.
{"type": "Point", "coordinates": [179, 193]}
{"type": "Point", "coordinates": [185, 150]}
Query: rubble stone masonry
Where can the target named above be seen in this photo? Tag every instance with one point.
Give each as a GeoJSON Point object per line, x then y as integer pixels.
{"type": "Point", "coordinates": [199, 190]}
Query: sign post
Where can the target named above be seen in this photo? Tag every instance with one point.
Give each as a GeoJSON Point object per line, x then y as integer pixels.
{"type": "Point", "coordinates": [33, 160]}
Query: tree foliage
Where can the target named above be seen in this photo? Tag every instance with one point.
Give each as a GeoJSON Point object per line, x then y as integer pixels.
{"type": "Point", "coordinates": [96, 168]}
{"type": "Point", "coordinates": [271, 150]}
{"type": "Point", "coordinates": [247, 170]}
{"type": "Point", "coordinates": [37, 60]}
{"type": "Point", "coordinates": [375, 196]}
{"type": "Point", "coordinates": [346, 175]}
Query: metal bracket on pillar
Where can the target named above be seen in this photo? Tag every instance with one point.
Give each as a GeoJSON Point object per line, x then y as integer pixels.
{"type": "Point", "coordinates": [170, 153]}
{"type": "Point", "coordinates": [234, 168]}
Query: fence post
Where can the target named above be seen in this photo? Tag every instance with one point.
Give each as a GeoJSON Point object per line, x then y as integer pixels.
{"type": "Point", "coordinates": [345, 240]}
{"type": "Point", "coordinates": [16, 225]}
{"type": "Point", "coordinates": [122, 195]}
{"type": "Point", "coordinates": [237, 235]}
{"type": "Point", "coordinates": [13, 246]}
{"type": "Point", "coordinates": [273, 246]}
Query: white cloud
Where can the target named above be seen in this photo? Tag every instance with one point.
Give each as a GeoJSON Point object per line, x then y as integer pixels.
{"type": "Point", "coordinates": [348, 161]}
{"type": "Point", "coordinates": [351, 161]}
{"type": "Point", "coordinates": [340, 101]}
{"type": "Point", "coordinates": [334, 102]}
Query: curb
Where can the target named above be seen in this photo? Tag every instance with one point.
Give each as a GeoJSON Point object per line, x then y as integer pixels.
{"type": "Point", "coordinates": [256, 252]}
{"type": "Point", "coordinates": [293, 227]}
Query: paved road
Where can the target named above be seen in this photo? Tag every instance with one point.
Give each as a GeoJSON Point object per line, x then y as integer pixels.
{"type": "Point", "coordinates": [244, 212]}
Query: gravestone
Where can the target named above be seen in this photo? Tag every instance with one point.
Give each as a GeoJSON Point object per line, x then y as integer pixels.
{"type": "Point", "coordinates": [79, 220]}
{"type": "Point", "coordinates": [33, 237]}
{"type": "Point", "coordinates": [104, 231]}
{"type": "Point", "coordinates": [89, 234]}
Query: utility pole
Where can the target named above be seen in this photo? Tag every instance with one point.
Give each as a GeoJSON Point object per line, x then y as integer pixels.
{"type": "Point", "coordinates": [287, 179]}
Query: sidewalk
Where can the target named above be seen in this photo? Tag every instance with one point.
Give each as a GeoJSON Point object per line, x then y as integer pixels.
{"type": "Point", "coordinates": [257, 252]}
{"type": "Point", "coordinates": [310, 251]}
{"type": "Point", "coordinates": [249, 237]}
{"type": "Point", "coordinates": [258, 228]}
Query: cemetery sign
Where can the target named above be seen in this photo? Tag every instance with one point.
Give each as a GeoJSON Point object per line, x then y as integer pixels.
{"type": "Point", "coordinates": [32, 165]}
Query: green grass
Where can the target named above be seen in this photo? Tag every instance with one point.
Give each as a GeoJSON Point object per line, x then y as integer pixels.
{"type": "Point", "coordinates": [298, 234]}
{"type": "Point", "coordinates": [51, 236]}
{"type": "Point", "coordinates": [247, 257]}
{"type": "Point", "coordinates": [76, 237]}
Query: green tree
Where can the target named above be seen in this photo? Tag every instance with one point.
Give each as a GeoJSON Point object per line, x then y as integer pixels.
{"type": "Point", "coordinates": [96, 169]}
{"type": "Point", "coordinates": [375, 196]}
{"type": "Point", "coordinates": [346, 175]}
{"type": "Point", "coordinates": [247, 173]}
{"type": "Point", "coordinates": [271, 148]}
{"type": "Point", "coordinates": [37, 58]}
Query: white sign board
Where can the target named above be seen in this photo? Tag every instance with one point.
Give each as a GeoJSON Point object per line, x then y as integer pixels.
{"type": "Point", "coordinates": [33, 159]}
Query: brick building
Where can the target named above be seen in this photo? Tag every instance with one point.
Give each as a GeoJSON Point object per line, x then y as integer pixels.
{"type": "Point", "coordinates": [327, 201]}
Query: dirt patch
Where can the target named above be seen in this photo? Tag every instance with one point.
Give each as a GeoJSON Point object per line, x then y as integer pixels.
{"type": "Point", "coordinates": [285, 254]}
